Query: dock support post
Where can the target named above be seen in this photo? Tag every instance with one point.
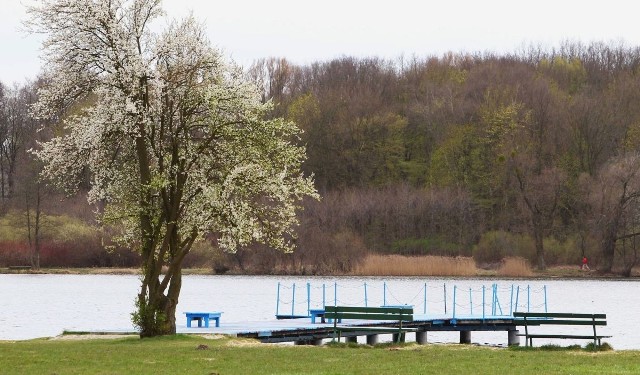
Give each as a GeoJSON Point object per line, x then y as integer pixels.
{"type": "Point", "coordinates": [513, 338]}
{"type": "Point", "coordinates": [353, 339]}
{"type": "Point", "coordinates": [465, 337]}
{"type": "Point", "coordinates": [395, 337]}
{"type": "Point", "coordinates": [315, 342]}
{"type": "Point", "coordinates": [372, 339]}
{"type": "Point", "coordinates": [421, 337]}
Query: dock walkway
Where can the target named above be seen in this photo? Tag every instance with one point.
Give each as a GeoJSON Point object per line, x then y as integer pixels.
{"type": "Point", "coordinates": [302, 331]}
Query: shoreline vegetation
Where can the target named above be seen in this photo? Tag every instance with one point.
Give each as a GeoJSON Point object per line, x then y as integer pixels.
{"type": "Point", "coordinates": [381, 265]}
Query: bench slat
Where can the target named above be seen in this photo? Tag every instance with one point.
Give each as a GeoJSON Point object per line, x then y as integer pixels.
{"type": "Point", "coordinates": [394, 314]}
{"type": "Point", "coordinates": [528, 319]}
{"type": "Point", "coordinates": [369, 310]}
{"type": "Point", "coordinates": [403, 317]}
{"type": "Point", "coordinates": [560, 336]}
{"type": "Point", "coordinates": [536, 322]}
{"type": "Point", "coordinates": [518, 314]}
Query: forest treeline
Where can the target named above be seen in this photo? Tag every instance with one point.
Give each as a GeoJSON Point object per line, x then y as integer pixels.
{"type": "Point", "coordinates": [534, 154]}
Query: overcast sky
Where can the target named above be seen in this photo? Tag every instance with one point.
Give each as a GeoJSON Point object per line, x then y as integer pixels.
{"type": "Point", "coordinates": [304, 31]}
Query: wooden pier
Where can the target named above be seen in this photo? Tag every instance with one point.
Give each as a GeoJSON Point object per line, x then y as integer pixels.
{"type": "Point", "coordinates": [301, 331]}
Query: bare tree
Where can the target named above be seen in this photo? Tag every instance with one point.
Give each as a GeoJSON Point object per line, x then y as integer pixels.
{"type": "Point", "coordinates": [541, 195]}
{"type": "Point", "coordinates": [614, 196]}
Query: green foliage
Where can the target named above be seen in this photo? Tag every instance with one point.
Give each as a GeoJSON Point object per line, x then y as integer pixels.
{"type": "Point", "coordinates": [426, 246]}
{"type": "Point", "coordinates": [496, 245]}
{"type": "Point", "coordinates": [453, 162]}
{"type": "Point", "coordinates": [569, 73]}
{"type": "Point", "coordinates": [13, 227]}
{"type": "Point", "coordinates": [562, 252]}
{"type": "Point", "coordinates": [67, 229]}
{"type": "Point", "coordinates": [148, 318]}
{"type": "Point", "coordinates": [304, 111]}
{"type": "Point", "coordinates": [474, 155]}
{"type": "Point", "coordinates": [605, 347]}
{"type": "Point", "coordinates": [54, 228]}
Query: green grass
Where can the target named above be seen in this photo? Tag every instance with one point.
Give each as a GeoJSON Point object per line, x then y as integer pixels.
{"type": "Point", "coordinates": [180, 355]}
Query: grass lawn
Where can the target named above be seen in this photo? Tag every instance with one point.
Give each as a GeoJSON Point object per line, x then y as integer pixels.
{"type": "Point", "coordinates": [181, 355]}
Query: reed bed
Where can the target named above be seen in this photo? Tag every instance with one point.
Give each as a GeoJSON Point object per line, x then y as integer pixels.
{"type": "Point", "coordinates": [398, 265]}
{"type": "Point", "coordinates": [514, 267]}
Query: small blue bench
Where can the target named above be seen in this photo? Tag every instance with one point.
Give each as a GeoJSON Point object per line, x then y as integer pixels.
{"type": "Point", "coordinates": [318, 313]}
{"type": "Point", "coordinates": [203, 317]}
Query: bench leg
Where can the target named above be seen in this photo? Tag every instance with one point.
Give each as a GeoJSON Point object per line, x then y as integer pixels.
{"type": "Point", "coordinates": [188, 322]}
{"type": "Point", "coordinates": [206, 322]}
{"type": "Point", "coordinates": [217, 320]}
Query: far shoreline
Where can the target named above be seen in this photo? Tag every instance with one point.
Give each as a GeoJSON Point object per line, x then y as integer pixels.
{"type": "Point", "coordinates": [551, 273]}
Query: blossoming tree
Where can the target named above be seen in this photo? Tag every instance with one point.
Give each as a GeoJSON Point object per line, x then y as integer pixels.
{"type": "Point", "coordinates": [176, 142]}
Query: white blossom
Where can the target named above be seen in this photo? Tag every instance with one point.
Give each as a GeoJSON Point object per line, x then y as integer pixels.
{"type": "Point", "coordinates": [176, 142]}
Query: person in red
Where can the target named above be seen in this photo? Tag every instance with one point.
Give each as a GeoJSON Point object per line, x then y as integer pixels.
{"type": "Point", "coordinates": [585, 266]}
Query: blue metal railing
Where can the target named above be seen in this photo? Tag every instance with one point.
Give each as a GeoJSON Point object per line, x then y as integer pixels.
{"type": "Point", "coordinates": [490, 305]}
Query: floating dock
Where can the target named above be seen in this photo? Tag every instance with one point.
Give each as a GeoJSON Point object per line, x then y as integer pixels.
{"type": "Point", "coordinates": [453, 309]}
{"type": "Point", "coordinates": [302, 331]}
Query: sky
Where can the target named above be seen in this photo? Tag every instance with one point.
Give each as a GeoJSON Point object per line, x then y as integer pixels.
{"type": "Point", "coordinates": [305, 32]}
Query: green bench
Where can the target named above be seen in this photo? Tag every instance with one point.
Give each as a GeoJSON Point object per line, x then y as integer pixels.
{"type": "Point", "coordinates": [398, 315]}
{"type": "Point", "coordinates": [530, 319]}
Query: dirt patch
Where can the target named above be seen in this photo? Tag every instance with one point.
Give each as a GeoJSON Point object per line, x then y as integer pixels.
{"type": "Point", "coordinates": [92, 337]}
{"type": "Point", "coordinates": [213, 337]}
{"type": "Point", "coordinates": [244, 343]}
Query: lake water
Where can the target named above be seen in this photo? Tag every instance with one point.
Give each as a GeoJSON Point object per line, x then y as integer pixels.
{"type": "Point", "coordinates": [44, 305]}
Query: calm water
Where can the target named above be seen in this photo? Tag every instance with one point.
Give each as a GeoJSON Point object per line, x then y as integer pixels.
{"type": "Point", "coordinates": [45, 305]}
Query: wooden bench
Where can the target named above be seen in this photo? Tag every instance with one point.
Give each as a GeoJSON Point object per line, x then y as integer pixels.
{"type": "Point", "coordinates": [529, 319]}
{"type": "Point", "coordinates": [396, 314]}
{"type": "Point", "coordinates": [203, 317]}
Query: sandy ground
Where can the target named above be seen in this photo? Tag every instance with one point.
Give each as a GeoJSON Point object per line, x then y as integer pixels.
{"type": "Point", "coordinates": [116, 336]}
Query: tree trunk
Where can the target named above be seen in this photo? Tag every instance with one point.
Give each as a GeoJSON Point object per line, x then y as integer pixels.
{"type": "Point", "coordinates": [539, 242]}
{"type": "Point", "coordinates": [538, 236]}
{"type": "Point", "coordinates": [159, 311]}
{"type": "Point", "coordinates": [35, 263]}
{"type": "Point", "coordinates": [609, 242]}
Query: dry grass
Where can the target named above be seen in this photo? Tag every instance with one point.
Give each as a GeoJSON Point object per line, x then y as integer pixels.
{"type": "Point", "coordinates": [514, 267]}
{"type": "Point", "coordinates": [397, 265]}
